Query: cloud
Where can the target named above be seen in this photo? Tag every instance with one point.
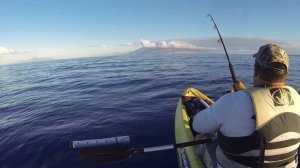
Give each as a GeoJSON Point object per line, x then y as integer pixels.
{"type": "Point", "coordinates": [9, 56]}
{"type": "Point", "coordinates": [147, 43]}
{"type": "Point", "coordinates": [250, 45]}
{"type": "Point", "coordinates": [167, 44]}
{"type": "Point", "coordinates": [161, 44]}
{"type": "Point", "coordinates": [7, 51]}
{"type": "Point", "coordinates": [234, 45]}
{"type": "Point", "coordinates": [103, 45]}
{"type": "Point", "coordinates": [292, 47]}
{"type": "Point", "coordinates": [99, 46]}
{"type": "Point", "coordinates": [130, 44]}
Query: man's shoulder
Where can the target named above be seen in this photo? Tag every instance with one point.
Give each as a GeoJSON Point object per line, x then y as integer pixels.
{"type": "Point", "coordinates": [236, 95]}
{"type": "Point", "coordinates": [231, 100]}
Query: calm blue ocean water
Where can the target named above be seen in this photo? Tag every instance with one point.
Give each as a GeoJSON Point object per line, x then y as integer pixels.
{"type": "Point", "coordinates": [44, 105]}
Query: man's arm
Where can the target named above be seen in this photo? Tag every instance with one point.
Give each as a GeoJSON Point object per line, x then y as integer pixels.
{"type": "Point", "coordinates": [210, 119]}
{"type": "Point", "coordinates": [205, 121]}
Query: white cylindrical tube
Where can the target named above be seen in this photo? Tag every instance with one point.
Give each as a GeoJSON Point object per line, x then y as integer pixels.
{"type": "Point", "coordinates": [204, 103]}
{"type": "Point", "coordinates": [121, 140]}
{"type": "Point", "coordinates": [158, 148]}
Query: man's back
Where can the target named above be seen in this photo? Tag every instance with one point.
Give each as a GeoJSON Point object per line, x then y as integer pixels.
{"type": "Point", "coordinates": [231, 114]}
{"type": "Point", "coordinates": [234, 116]}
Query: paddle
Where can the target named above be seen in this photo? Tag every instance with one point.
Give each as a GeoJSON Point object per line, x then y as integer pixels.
{"type": "Point", "coordinates": [119, 153]}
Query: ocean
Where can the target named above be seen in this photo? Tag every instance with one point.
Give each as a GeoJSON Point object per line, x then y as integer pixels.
{"type": "Point", "coordinates": [45, 105]}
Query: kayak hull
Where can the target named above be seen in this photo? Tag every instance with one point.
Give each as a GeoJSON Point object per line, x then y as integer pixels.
{"type": "Point", "coordinates": [187, 156]}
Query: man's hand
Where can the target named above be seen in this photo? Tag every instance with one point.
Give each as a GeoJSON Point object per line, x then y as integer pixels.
{"type": "Point", "coordinates": [238, 85]}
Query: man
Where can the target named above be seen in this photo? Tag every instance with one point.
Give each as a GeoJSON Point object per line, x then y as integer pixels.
{"type": "Point", "coordinates": [257, 127]}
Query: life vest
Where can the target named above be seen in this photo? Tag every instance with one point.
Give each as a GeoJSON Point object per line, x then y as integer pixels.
{"type": "Point", "coordinates": [275, 141]}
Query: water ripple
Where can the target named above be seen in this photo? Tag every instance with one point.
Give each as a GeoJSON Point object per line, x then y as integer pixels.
{"type": "Point", "coordinates": [45, 105]}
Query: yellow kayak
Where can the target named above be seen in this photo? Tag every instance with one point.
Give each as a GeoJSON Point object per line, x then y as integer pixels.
{"type": "Point", "coordinates": [187, 156]}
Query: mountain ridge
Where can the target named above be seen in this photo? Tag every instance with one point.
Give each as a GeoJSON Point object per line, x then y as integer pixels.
{"type": "Point", "coordinates": [170, 51]}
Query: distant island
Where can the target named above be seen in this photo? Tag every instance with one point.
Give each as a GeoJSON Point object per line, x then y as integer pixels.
{"type": "Point", "coordinates": [34, 60]}
{"type": "Point", "coordinates": [170, 51]}
{"type": "Point", "coordinates": [153, 51]}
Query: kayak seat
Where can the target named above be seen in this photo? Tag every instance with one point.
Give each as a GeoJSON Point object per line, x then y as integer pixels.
{"type": "Point", "coordinates": [192, 104]}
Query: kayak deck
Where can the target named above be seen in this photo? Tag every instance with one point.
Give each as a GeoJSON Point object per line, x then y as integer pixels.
{"type": "Point", "coordinates": [187, 156]}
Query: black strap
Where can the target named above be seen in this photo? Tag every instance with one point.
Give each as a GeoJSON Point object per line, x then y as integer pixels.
{"type": "Point", "coordinates": [261, 158]}
{"type": "Point", "coordinates": [254, 161]}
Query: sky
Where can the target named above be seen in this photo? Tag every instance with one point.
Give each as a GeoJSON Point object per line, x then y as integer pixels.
{"type": "Point", "coordinates": [58, 29]}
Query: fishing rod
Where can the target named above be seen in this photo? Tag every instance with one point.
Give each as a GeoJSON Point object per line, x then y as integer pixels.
{"type": "Point", "coordinates": [111, 150]}
{"type": "Point", "coordinates": [221, 41]}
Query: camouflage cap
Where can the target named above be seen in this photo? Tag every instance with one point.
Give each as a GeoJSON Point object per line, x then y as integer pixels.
{"type": "Point", "coordinates": [271, 53]}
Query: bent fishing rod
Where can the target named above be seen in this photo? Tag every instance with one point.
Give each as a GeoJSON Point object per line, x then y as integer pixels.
{"type": "Point", "coordinates": [221, 41]}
